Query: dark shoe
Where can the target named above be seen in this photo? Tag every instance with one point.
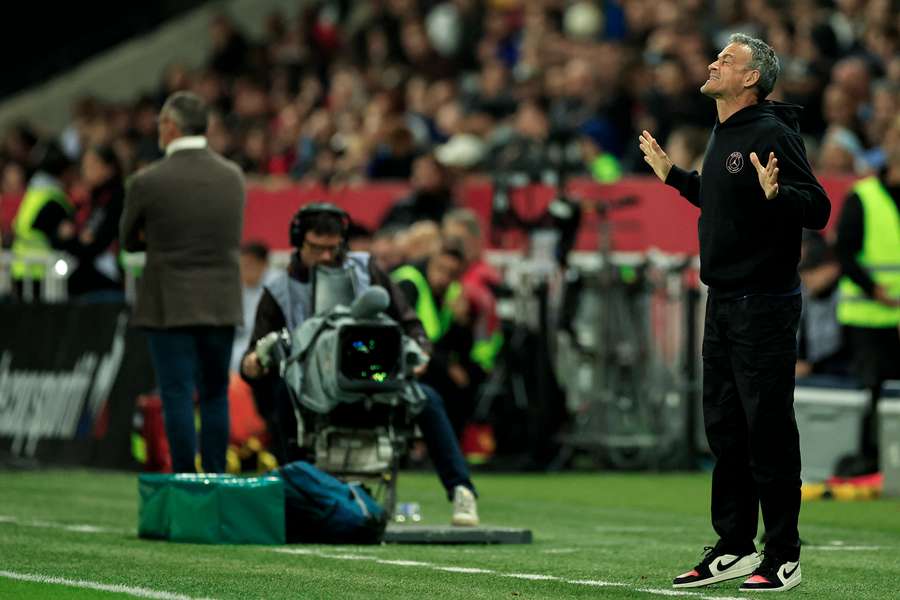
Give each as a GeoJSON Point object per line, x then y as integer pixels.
{"type": "Point", "coordinates": [773, 575]}
{"type": "Point", "coordinates": [717, 565]}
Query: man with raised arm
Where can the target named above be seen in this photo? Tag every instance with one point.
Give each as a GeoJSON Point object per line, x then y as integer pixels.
{"type": "Point", "coordinates": [756, 195]}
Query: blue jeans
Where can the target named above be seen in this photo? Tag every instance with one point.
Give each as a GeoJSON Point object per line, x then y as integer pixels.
{"type": "Point", "coordinates": [185, 359]}
{"type": "Point", "coordinates": [443, 447]}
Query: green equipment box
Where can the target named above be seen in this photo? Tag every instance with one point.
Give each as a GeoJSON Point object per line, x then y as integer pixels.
{"type": "Point", "coordinates": [211, 509]}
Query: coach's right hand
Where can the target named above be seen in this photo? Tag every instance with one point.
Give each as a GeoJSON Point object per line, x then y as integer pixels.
{"type": "Point", "coordinates": [655, 156]}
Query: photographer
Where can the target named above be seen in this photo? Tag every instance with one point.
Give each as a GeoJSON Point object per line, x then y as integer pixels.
{"type": "Point", "coordinates": [318, 233]}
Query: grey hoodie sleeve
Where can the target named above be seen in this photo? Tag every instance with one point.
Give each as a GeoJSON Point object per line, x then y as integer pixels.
{"type": "Point", "coordinates": [798, 188]}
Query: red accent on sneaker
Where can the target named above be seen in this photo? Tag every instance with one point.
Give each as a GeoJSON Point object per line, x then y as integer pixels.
{"type": "Point", "coordinates": [758, 579]}
{"type": "Point", "coordinates": [693, 573]}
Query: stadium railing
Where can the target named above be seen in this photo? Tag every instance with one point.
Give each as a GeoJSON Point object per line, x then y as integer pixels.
{"type": "Point", "coordinates": [51, 288]}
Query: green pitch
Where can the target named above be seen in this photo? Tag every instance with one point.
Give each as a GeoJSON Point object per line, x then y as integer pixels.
{"type": "Point", "coordinates": [71, 534]}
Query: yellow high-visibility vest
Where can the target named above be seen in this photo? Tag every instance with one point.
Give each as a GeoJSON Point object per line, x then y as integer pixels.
{"type": "Point", "coordinates": [29, 242]}
{"type": "Point", "coordinates": [436, 322]}
{"type": "Point", "coordinates": [880, 256]}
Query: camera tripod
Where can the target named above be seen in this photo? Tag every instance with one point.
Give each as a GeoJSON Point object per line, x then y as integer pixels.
{"type": "Point", "coordinates": [620, 356]}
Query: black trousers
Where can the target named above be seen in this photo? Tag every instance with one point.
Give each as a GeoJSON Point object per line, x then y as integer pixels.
{"type": "Point", "coordinates": [749, 352]}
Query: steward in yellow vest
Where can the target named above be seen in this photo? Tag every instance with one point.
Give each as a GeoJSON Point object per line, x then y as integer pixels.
{"type": "Point", "coordinates": [868, 246]}
{"type": "Point", "coordinates": [434, 290]}
{"type": "Point", "coordinates": [868, 287]}
{"type": "Point", "coordinates": [436, 315]}
{"type": "Point", "coordinates": [36, 224]}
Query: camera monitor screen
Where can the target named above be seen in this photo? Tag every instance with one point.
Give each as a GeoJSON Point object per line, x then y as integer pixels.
{"type": "Point", "coordinates": [369, 356]}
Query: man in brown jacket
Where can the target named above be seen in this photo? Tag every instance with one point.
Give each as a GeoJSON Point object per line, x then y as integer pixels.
{"type": "Point", "coordinates": [186, 211]}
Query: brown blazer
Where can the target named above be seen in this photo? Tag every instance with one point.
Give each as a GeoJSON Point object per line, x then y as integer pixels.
{"type": "Point", "coordinates": [190, 208]}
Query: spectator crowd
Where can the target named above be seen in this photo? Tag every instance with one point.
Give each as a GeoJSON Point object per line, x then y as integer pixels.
{"type": "Point", "coordinates": [355, 91]}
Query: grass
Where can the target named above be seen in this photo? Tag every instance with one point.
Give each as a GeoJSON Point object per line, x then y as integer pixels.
{"type": "Point", "coordinates": [638, 530]}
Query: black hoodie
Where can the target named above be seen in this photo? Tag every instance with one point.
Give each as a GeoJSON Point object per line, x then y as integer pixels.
{"type": "Point", "coordinates": [750, 245]}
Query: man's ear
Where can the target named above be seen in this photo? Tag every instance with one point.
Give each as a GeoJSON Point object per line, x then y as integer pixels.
{"type": "Point", "coordinates": [751, 78]}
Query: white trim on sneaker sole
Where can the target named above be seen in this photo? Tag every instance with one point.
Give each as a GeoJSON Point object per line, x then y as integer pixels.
{"type": "Point", "coordinates": [715, 579]}
{"type": "Point", "coordinates": [464, 521]}
{"type": "Point", "coordinates": [733, 573]}
{"type": "Point", "coordinates": [784, 588]}
{"type": "Point", "coordinates": [793, 582]}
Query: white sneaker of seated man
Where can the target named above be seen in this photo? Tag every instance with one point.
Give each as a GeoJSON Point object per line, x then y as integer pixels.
{"type": "Point", "coordinates": [465, 507]}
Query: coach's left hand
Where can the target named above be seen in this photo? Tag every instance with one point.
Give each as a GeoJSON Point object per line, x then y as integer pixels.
{"type": "Point", "coordinates": [768, 175]}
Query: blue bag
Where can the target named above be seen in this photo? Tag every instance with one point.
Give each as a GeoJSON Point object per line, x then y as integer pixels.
{"type": "Point", "coordinates": [321, 509]}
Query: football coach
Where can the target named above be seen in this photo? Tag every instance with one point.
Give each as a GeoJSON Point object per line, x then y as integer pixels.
{"type": "Point", "coordinates": [756, 194]}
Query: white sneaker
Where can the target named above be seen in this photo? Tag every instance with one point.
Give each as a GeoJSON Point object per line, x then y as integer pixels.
{"type": "Point", "coordinates": [717, 566]}
{"type": "Point", "coordinates": [465, 507]}
{"type": "Point", "coordinates": [774, 575]}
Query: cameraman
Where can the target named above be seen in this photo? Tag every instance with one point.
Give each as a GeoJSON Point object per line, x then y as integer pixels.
{"type": "Point", "coordinates": [318, 233]}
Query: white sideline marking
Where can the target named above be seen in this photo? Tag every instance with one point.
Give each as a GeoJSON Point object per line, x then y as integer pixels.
{"type": "Point", "coordinates": [76, 527]}
{"type": "Point", "coordinates": [85, 529]}
{"type": "Point", "coordinates": [596, 583]}
{"type": "Point", "coordinates": [479, 571]}
{"type": "Point", "coordinates": [94, 585]}
{"type": "Point", "coordinates": [403, 563]}
{"type": "Point", "coordinates": [559, 551]}
{"type": "Point", "coordinates": [472, 570]}
{"type": "Point", "coordinates": [532, 576]}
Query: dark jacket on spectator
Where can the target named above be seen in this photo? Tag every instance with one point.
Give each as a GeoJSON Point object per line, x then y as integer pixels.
{"type": "Point", "coordinates": [418, 206]}
{"type": "Point", "coordinates": [189, 207]}
{"type": "Point", "coordinates": [102, 221]}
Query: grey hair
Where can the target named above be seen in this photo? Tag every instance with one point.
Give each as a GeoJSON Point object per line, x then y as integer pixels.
{"type": "Point", "coordinates": [188, 111]}
{"type": "Point", "coordinates": [762, 59]}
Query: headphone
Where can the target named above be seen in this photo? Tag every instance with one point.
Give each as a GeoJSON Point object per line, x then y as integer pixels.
{"type": "Point", "coordinates": [300, 222]}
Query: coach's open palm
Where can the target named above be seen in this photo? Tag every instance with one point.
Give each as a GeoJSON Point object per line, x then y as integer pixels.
{"type": "Point", "coordinates": [768, 175]}
{"type": "Point", "coordinates": [655, 156]}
